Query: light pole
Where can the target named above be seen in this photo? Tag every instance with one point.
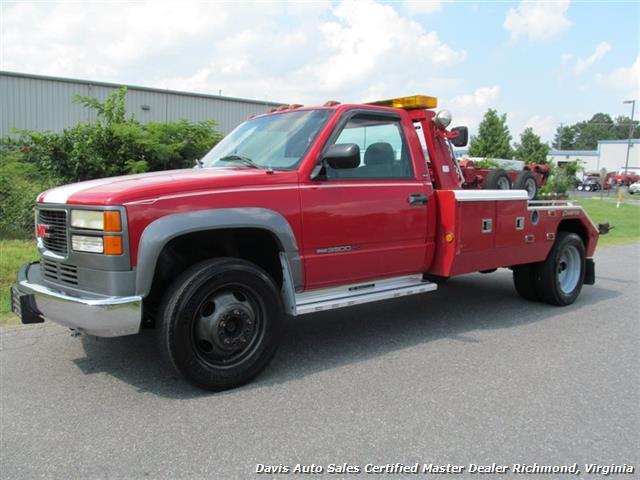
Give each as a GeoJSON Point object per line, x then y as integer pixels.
{"type": "Point", "coordinates": [631, 129]}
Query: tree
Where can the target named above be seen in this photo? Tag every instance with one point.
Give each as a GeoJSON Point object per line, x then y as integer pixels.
{"type": "Point", "coordinates": [493, 139]}
{"type": "Point", "coordinates": [531, 149]}
{"type": "Point", "coordinates": [586, 134]}
{"type": "Point", "coordinates": [565, 137]}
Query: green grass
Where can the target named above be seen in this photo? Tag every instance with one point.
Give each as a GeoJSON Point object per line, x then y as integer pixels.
{"type": "Point", "coordinates": [626, 219]}
{"type": "Point", "coordinates": [13, 254]}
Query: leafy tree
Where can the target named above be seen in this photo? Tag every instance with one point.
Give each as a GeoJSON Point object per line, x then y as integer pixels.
{"type": "Point", "coordinates": [565, 137]}
{"type": "Point", "coordinates": [531, 149]}
{"type": "Point", "coordinates": [585, 135]}
{"type": "Point", "coordinates": [493, 139]}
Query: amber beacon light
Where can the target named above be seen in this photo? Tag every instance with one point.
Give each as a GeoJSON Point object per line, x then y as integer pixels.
{"type": "Point", "coordinates": [413, 102]}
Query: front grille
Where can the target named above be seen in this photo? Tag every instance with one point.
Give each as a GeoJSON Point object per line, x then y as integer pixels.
{"type": "Point", "coordinates": [59, 272]}
{"type": "Point", "coordinates": [56, 220]}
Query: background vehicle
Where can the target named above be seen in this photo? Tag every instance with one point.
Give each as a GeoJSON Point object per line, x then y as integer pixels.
{"type": "Point", "coordinates": [590, 184]}
{"type": "Point", "coordinates": [634, 188]}
{"type": "Point", "coordinates": [300, 210]}
{"type": "Point", "coordinates": [514, 175]}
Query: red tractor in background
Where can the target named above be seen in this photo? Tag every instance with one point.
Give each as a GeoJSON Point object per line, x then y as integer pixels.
{"type": "Point", "coordinates": [515, 175]}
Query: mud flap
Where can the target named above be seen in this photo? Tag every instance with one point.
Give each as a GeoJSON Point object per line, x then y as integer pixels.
{"type": "Point", "coordinates": [590, 272]}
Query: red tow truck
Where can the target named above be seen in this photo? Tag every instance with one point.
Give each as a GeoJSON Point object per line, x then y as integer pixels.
{"type": "Point", "coordinates": [299, 210]}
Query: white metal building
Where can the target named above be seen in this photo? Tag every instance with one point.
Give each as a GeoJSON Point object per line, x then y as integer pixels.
{"type": "Point", "coordinates": [610, 156]}
{"type": "Point", "coordinates": [42, 103]}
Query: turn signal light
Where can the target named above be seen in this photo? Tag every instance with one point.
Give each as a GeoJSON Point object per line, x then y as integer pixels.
{"type": "Point", "coordinates": [449, 237]}
{"type": "Point", "coordinates": [413, 102]}
{"type": "Point", "coordinates": [112, 221]}
{"type": "Point", "coordinates": [113, 245]}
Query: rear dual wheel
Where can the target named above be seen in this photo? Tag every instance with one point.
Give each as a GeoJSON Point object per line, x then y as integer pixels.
{"type": "Point", "coordinates": [557, 280]}
{"type": "Point", "coordinates": [526, 180]}
{"type": "Point", "coordinates": [497, 179]}
{"type": "Point", "coordinates": [220, 323]}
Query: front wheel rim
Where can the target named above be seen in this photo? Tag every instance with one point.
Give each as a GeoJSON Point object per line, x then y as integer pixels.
{"type": "Point", "coordinates": [568, 269]}
{"type": "Point", "coordinates": [228, 326]}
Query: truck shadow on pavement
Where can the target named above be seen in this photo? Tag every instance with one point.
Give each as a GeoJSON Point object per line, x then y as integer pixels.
{"type": "Point", "coordinates": [328, 340]}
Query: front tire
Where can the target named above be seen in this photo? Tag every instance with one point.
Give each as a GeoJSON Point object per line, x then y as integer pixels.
{"type": "Point", "coordinates": [220, 323]}
{"type": "Point", "coordinates": [559, 279]}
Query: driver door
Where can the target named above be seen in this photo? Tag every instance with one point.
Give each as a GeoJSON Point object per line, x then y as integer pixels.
{"type": "Point", "coordinates": [368, 222]}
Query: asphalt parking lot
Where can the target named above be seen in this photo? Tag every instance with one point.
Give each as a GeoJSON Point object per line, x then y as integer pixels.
{"type": "Point", "coordinates": [470, 373]}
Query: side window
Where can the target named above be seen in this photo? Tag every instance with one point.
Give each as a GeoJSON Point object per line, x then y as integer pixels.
{"type": "Point", "coordinates": [383, 149]}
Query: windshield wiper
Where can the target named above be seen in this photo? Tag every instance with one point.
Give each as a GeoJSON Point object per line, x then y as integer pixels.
{"type": "Point", "coordinates": [240, 158]}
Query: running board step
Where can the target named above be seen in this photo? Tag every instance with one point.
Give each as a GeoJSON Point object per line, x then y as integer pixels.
{"type": "Point", "coordinates": [359, 293]}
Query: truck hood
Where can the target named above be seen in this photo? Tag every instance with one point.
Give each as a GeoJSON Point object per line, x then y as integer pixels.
{"type": "Point", "coordinates": [146, 186]}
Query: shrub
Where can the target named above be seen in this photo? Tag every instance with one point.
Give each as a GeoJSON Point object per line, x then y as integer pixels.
{"type": "Point", "coordinates": [116, 145]}
{"type": "Point", "coordinates": [112, 145]}
{"type": "Point", "coordinates": [558, 181]}
{"type": "Point", "coordinates": [20, 184]}
{"type": "Point", "coordinates": [485, 163]}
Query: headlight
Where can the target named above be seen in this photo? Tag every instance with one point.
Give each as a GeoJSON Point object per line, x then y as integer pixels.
{"type": "Point", "coordinates": [108, 221]}
{"type": "Point", "coordinates": [82, 243]}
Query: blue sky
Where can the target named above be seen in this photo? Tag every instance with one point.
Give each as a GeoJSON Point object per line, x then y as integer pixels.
{"type": "Point", "coordinates": [542, 63]}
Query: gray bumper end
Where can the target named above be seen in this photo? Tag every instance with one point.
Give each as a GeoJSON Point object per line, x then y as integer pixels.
{"type": "Point", "coordinates": [94, 314]}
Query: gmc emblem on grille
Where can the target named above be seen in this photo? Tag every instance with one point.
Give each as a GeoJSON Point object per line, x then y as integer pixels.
{"type": "Point", "coordinates": [42, 230]}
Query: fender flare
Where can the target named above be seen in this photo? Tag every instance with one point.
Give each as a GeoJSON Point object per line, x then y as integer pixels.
{"type": "Point", "coordinates": [161, 231]}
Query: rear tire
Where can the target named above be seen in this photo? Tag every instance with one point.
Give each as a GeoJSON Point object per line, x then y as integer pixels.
{"type": "Point", "coordinates": [526, 180]}
{"type": "Point", "coordinates": [559, 279]}
{"type": "Point", "coordinates": [220, 323]}
{"type": "Point", "coordinates": [497, 179]}
{"type": "Point", "coordinates": [524, 281]}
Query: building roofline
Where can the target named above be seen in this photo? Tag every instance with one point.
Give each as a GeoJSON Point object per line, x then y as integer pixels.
{"type": "Point", "coordinates": [633, 140]}
{"type": "Point", "coordinates": [573, 153]}
{"type": "Point", "coordinates": [135, 87]}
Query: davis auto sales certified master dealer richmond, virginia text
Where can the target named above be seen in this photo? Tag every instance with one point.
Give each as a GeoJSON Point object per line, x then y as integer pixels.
{"type": "Point", "coordinates": [417, 468]}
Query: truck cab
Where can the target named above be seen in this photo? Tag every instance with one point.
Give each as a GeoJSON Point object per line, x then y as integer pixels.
{"type": "Point", "coordinates": [299, 210]}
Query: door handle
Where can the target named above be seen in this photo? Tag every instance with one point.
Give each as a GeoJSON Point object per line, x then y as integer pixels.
{"type": "Point", "coordinates": [417, 199]}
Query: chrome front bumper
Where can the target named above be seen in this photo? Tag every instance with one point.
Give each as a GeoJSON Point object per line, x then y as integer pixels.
{"type": "Point", "coordinates": [94, 314]}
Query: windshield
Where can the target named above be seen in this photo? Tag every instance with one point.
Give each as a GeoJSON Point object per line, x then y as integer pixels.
{"type": "Point", "coordinates": [274, 141]}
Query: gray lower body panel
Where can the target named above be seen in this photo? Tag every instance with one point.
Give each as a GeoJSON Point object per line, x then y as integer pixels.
{"type": "Point", "coordinates": [99, 315]}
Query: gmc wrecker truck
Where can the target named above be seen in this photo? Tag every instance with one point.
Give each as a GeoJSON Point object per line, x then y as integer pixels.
{"type": "Point", "coordinates": [299, 210]}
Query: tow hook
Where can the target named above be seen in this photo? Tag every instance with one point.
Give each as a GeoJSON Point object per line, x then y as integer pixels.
{"type": "Point", "coordinates": [604, 228]}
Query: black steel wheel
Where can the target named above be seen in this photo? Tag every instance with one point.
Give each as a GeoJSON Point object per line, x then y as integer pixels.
{"type": "Point", "coordinates": [559, 279]}
{"type": "Point", "coordinates": [220, 323]}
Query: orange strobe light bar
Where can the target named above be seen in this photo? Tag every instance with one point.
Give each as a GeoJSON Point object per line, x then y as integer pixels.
{"type": "Point", "coordinates": [413, 102]}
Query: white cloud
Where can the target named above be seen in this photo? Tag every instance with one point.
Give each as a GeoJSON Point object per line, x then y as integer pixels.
{"type": "Point", "coordinates": [539, 20]}
{"type": "Point", "coordinates": [468, 109]}
{"type": "Point", "coordinates": [542, 125]}
{"type": "Point", "coordinates": [582, 65]}
{"type": "Point", "coordinates": [297, 52]}
{"type": "Point", "coordinates": [626, 80]}
{"type": "Point", "coordinates": [481, 97]}
{"type": "Point", "coordinates": [422, 7]}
